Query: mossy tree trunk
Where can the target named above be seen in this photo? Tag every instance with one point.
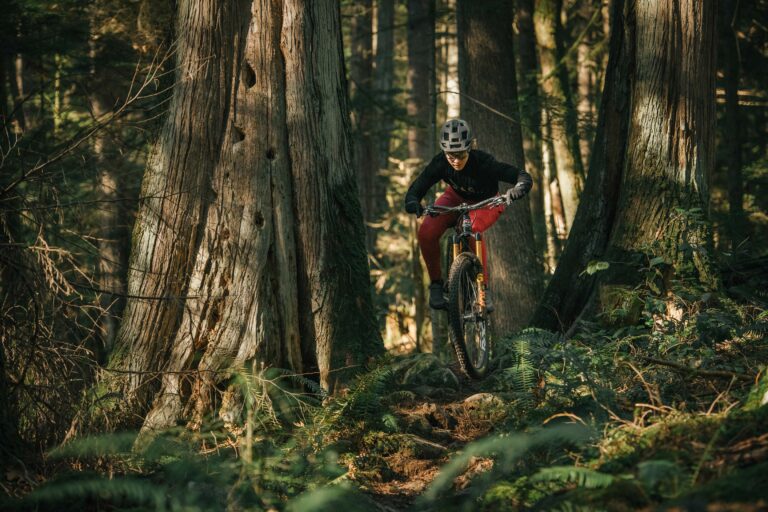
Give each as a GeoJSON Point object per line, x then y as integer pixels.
{"type": "Point", "coordinates": [646, 195]}
{"type": "Point", "coordinates": [487, 74]}
{"type": "Point", "coordinates": [255, 243]}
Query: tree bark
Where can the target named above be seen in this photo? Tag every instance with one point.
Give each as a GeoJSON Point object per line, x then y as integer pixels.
{"type": "Point", "coordinates": [553, 204]}
{"type": "Point", "coordinates": [4, 111]}
{"type": "Point", "coordinates": [449, 104]}
{"type": "Point", "coordinates": [269, 265]}
{"type": "Point", "coordinates": [559, 104]}
{"type": "Point", "coordinates": [420, 83]}
{"type": "Point", "coordinates": [586, 69]}
{"type": "Point", "coordinates": [362, 96]}
{"type": "Point", "coordinates": [338, 323]}
{"type": "Point", "coordinates": [384, 77]}
{"type": "Point", "coordinates": [177, 190]}
{"type": "Point", "coordinates": [530, 116]}
{"type": "Point", "coordinates": [487, 73]}
{"type": "Point", "coordinates": [732, 127]}
{"type": "Point", "coordinates": [646, 194]}
{"type": "Point", "coordinates": [16, 81]}
{"type": "Point", "coordinates": [111, 213]}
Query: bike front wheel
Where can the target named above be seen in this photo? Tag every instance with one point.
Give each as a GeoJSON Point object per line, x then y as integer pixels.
{"type": "Point", "coordinates": [468, 322]}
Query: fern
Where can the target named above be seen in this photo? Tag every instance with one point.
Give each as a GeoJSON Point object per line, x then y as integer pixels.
{"type": "Point", "coordinates": [96, 446]}
{"type": "Point", "coordinates": [506, 449]}
{"type": "Point", "coordinates": [660, 477]}
{"type": "Point", "coordinates": [121, 490]}
{"type": "Point", "coordinates": [401, 396]}
{"type": "Point", "coordinates": [581, 477]}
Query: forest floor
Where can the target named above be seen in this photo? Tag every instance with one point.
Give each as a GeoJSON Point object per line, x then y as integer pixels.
{"type": "Point", "coordinates": [443, 427]}
{"type": "Point", "coordinates": [661, 404]}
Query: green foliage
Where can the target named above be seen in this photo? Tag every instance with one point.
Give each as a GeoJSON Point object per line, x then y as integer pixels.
{"type": "Point", "coordinates": [580, 477]}
{"type": "Point", "coordinates": [515, 366]}
{"type": "Point", "coordinates": [594, 267]}
{"type": "Point", "coordinates": [660, 477]}
{"type": "Point", "coordinates": [758, 394]}
{"type": "Point", "coordinates": [506, 450]}
{"type": "Point", "coordinates": [331, 499]}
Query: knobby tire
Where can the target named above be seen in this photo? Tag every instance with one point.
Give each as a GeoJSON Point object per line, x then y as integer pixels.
{"type": "Point", "coordinates": [462, 294]}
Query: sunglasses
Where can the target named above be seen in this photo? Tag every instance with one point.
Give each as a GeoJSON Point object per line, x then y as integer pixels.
{"type": "Point", "coordinates": [457, 155]}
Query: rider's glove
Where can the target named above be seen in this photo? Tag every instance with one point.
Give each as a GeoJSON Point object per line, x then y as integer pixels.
{"type": "Point", "coordinates": [414, 207]}
{"type": "Point", "coordinates": [513, 194]}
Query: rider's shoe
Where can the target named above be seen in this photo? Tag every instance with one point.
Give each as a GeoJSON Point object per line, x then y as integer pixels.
{"type": "Point", "coordinates": [489, 307]}
{"type": "Point", "coordinates": [436, 296]}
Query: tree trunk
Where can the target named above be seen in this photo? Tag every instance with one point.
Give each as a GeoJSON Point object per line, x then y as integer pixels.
{"type": "Point", "coordinates": [530, 117]}
{"type": "Point", "coordinates": [338, 323]}
{"type": "Point", "coordinates": [586, 69]}
{"type": "Point", "coordinates": [420, 83]}
{"type": "Point", "coordinates": [362, 97]}
{"type": "Point", "coordinates": [4, 110]}
{"type": "Point", "coordinates": [487, 73]}
{"type": "Point", "coordinates": [111, 214]}
{"type": "Point", "coordinates": [177, 189]}
{"type": "Point", "coordinates": [449, 104]}
{"type": "Point", "coordinates": [646, 194]}
{"type": "Point", "coordinates": [732, 128]}
{"type": "Point", "coordinates": [16, 81]}
{"type": "Point", "coordinates": [270, 264]}
{"type": "Point", "coordinates": [384, 77]}
{"type": "Point", "coordinates": [559, 104]}
{"type": "Point", "coordinates": [553, 204]}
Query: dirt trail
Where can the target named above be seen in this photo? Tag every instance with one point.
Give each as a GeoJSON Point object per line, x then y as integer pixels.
{"type": "Point", "coordinates": [404, 465]}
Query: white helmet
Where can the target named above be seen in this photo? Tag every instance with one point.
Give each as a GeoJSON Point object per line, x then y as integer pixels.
{"type": "Point", "coordinates": [455, 136]}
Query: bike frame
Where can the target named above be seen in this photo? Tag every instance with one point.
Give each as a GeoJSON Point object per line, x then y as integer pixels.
{"type": "Point", "coordinates": [463, 231]}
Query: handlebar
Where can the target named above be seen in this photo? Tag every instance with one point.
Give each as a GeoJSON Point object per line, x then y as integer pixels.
{"type": "Point", "coordinates": [491, 202]}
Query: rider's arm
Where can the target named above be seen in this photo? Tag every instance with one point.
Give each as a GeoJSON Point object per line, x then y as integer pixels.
{"type": "Point", "coordinates": [518, 177]}
{"type": "Point", "coordinates": [421, 185]}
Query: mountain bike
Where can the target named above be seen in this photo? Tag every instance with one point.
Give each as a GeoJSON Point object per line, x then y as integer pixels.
{"type": "Point", "coordinates": [469, 321]}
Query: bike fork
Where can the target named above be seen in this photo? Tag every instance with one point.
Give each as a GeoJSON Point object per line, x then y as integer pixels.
{"type": "Point", "coordinates": [481, 274]}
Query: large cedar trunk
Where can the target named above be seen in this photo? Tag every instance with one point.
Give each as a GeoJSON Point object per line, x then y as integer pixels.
{"type": "Point", "coordinates": [335, 304]}
{"type": "Point", "coordinates": [177, 191]}
{"type": "Point", "coordinates": [265, 262]}
{"type": "Point", "coordinates": [487, 74]}
{"type": "Point", "coordinates": [646, 194]}
{"type": "Point", "coordinates": [559, 104]}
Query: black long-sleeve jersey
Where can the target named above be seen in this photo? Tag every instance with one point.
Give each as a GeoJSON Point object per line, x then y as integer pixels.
{"type": "Point", "coordinates": [478, 180]}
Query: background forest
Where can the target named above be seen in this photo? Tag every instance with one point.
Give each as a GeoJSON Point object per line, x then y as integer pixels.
{"type": "Point", "coordinates": [211, 297]}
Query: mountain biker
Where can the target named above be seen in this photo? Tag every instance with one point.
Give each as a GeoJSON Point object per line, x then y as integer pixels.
{"type": "Point", "coordinates": [471, 175]}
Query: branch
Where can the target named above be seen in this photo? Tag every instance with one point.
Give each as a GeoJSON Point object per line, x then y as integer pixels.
{"type": "Point", "coordinates": [717, 374]}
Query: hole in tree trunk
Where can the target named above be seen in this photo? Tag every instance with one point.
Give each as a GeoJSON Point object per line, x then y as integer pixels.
{"type": "Point", "coordinates": [238, 134]}
{"type": "Point", "coordinates": [249, 75]}
{"type": "Point", "coordinates": [258, 219]}
{"type": "Point", "coordinates": [271, 154]}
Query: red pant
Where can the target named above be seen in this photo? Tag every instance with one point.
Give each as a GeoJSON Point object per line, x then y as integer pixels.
{"type": "Point", "coordinates": [432, 228]}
